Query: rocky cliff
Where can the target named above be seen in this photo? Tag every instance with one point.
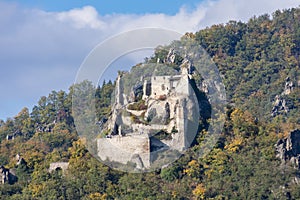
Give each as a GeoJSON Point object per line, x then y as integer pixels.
{"type": "Point", "coordinates": [288, 149]}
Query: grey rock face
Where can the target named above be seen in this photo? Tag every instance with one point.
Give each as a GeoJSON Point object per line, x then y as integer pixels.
{"type": "Point", "coordinates": [150, 115]}
{"type": "Point", "coordinates": [279, 106]}
{"type": "Point", "coordinates": [158, 113]}
{"type": "Point", "coordinates": [20, 160]}
{"type": "Point", "coordinates": [167, 113]}
{"type": "Point", "coordinates": [6, 176]}
{"type": "Point", "coordinates": [289, 86]}
{"type": "Point", "coordinates": [288, 149]}
{"type": "Point", "coordinates": [136, 93]}
{"type": "Point", "coordinates": [58, 165]}
{"type": "Point", "coordinates": [171, 56]}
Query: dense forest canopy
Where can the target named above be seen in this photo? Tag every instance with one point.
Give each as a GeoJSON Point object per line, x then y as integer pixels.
{"type": "Point", "coordinates": [259, 64]}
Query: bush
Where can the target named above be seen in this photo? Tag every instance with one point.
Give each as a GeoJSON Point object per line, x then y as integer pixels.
{"type": "Point", "coordinates": [140, 105]}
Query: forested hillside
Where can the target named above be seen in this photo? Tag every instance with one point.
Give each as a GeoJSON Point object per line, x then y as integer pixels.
{"type": "Point", "coordinates": [259, 64]}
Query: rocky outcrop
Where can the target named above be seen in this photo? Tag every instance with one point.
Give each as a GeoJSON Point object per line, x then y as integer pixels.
{"type": "Point", "coordinates": [14, 135]}
{"type": "Point", "coordinates": [288, 149]}
{"type": "Point", "coordinates": [171, 56]}
{"type": "Point", "coordinates": [4, 173]}
{"type": "Point", "coordinates": [7, 176]}
{"type": "Point", "coordinates": [20, 160]}
{"type": "Point", "coordinates": [289, 86]}
{"type": "Point", "coordinates": [58, 166]}
{"type": "Point", "coordinates": [279, 106]}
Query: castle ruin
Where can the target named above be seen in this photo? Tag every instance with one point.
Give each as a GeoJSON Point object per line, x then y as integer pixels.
{"type": "Point", "coordinates": [171, 109]}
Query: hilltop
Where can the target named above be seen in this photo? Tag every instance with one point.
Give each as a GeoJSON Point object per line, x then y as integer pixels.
{"type": "Point", "coordinates": [255, 157]}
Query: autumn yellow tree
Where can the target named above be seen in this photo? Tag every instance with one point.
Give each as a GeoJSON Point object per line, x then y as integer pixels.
{"type": "Point", "coordinates": [199, 191]}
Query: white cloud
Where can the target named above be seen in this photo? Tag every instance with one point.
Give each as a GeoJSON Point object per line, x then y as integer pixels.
{"type": "Point", "coordinates": [43, 50]}
{"type": "Point", "coordinates": [85, 17]}
{"type": "Point", "coordinates": [224, 10]}
{"type": "Point", "coordinates": [205, 14]}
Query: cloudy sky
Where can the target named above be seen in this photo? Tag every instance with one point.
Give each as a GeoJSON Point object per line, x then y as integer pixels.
{"type": "Point", "coordinates": [42, 45]}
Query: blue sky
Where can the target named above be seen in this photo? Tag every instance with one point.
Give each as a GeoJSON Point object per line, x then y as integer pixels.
{"type": "Point", "coordinates": [43, 43]}
{"type": "Point", "coordinates": [104, 7]}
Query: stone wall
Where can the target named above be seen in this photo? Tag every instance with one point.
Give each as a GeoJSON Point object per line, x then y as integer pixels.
{"type": "Point", "coordinates": [125, 149]}
{"type": "Point", "coordinates": [161, 85]}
